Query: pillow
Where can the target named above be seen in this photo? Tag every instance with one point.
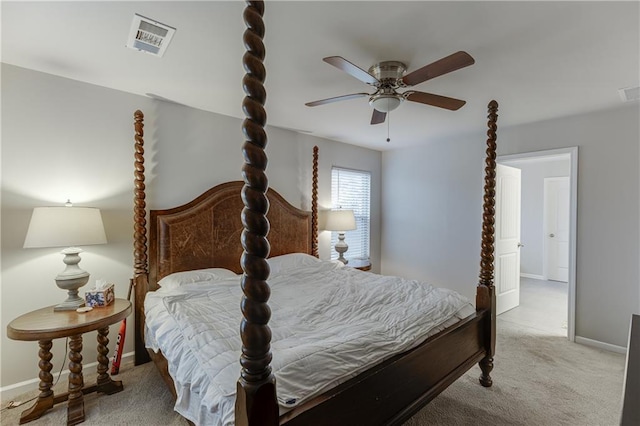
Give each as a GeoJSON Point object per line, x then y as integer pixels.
{"type": "Point", "coordinates": [178, 279]}
{"type": "Point", "coordinates": [286, 262]}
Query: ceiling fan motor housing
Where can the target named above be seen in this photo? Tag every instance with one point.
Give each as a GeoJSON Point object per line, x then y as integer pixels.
{"type": "Point", "coordinates": [390, 74]}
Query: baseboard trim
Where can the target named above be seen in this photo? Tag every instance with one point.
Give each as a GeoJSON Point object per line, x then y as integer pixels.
{"type": "Point", "coordinates": [601, 345]}
{"type": "Point", "coordinates": [532, 276]}
{"type": "Point", "coordinates": [10, 391]}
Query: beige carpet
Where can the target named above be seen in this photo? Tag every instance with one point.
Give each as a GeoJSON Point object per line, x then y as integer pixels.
{"type": "Point", "coordinates": [539, 379]}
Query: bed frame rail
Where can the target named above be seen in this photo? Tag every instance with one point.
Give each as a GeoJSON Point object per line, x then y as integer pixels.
{"type": "Point", "coordinates": [394, 390]}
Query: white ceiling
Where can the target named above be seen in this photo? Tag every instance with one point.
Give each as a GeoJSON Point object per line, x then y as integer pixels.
{"type": "Point", "coordinates": [537, 59]}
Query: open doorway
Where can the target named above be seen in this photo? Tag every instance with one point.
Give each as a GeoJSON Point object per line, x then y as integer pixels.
{"type": "Point", "coordinates": [548, 237]}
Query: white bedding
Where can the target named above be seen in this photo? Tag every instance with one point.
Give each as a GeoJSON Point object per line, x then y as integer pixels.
{"type": "Point", "coordinates": [328, 324]}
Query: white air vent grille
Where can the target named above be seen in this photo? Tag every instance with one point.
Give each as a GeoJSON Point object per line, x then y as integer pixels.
{"type": "Point", "coordinates": [629, 94]}
{"type": "Point", "coordinates": [147, 35]}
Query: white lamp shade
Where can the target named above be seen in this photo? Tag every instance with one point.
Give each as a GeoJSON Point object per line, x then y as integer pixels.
{"type": "Point", "coordinates": [340, 220]}
{"type": "Point", "coordinates": [65, 227]}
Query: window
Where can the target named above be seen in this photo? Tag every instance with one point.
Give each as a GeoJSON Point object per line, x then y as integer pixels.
{"type": "Point", "coordinates": [351, 189]}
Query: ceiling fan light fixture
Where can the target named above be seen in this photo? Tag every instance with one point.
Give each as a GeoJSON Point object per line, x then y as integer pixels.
{"type": "Point", "coordinates": [385, 102]}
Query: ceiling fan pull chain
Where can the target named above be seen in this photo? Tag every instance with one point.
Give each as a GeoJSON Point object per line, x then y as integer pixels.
{"type": "Point", "coordinates": [388, 124]}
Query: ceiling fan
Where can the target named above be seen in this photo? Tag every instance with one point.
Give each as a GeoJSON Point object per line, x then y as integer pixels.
{"type": "Point", "coordinates": [388, 76]}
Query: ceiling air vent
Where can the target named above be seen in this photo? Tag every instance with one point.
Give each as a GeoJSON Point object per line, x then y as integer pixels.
{"type": "Point", "coordinates": [147, 35]}
{"type": "Point", "coordinates": [629, 94]}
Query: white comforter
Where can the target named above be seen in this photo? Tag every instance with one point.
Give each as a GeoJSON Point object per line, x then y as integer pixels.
{"type": "Point", "coordinates": [328, 323]}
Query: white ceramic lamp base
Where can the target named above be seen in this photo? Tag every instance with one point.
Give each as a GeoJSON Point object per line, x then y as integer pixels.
{"type": "Point", "coordinates": [71, 279]}
{"type": "Point", "coordinates": [341, 247]}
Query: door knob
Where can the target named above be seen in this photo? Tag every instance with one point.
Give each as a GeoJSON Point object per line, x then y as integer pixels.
{"type": "Point", "coordinates": [520, 245]}
{"type": "Point", "coordinates": [552, 235]}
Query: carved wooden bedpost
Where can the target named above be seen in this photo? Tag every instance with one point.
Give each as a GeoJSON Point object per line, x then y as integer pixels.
{"type": "Point", "coordinates": [314, 205]}
{"type": "Point", "coordinates": [486, 295]}
{"type": "Point", "coordinates": [141, 268]}
{"type": "Point", "coordinates": [256, 402]}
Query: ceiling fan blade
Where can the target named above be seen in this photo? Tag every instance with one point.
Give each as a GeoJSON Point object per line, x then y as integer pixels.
{"type": "Point", "coordinates": [378, 117]}
{"type": "Point", "coordinates": [442, 66]}
{"type": "Point", "coordinates": [351, 69]}
{"type": "Point", "coordinates": [336, 99]}
{"type": "Point", "coordinates": [435, 100]}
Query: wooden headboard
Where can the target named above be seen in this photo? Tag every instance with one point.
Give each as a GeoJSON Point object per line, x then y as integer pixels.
{"type": "Point", "coordinates": [206, 232]}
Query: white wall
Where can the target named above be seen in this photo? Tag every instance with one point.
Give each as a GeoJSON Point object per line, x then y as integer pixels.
{"type": "Point", "coordinates": [432, 211]}
{"type": "Point", "coordinates": [66, 139]}
{"type": "Point", "coordinates": [431, 228]}
{"type": "Point", "coordinates": [532, 207]}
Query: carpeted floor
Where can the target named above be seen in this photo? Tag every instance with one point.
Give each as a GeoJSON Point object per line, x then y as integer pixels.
{"type": "Point", "coordinates": [539, 379]}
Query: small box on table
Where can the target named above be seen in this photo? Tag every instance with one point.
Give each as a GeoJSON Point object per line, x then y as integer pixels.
{"type": "Point", "coordinates": [100, 298]}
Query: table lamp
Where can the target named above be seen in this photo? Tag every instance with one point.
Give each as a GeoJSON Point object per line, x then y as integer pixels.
{"type": "Point", "coordinates": [341, 221]}
{"type": "Point", "coordinates": [67, 227]}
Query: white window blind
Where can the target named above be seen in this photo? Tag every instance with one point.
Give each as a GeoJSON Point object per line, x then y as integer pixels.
{"type": "Point", "coordinates": [351, 189]}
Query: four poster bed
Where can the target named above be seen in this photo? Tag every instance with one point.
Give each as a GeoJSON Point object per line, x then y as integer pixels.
{"type": "Point", "coordinates": [188, 268]}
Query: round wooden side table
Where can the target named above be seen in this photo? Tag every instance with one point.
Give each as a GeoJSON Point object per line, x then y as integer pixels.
{"type": "Point", "coordinates": [43, 326]}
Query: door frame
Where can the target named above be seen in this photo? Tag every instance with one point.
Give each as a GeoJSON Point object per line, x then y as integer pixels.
{"type": "Point", "coordinates": [572, 154]}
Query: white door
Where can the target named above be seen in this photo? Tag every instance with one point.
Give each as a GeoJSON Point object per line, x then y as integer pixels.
{"type": "Point", "coordinates": [507, 250]}
{"type": "Point", "coordinates": [556, 219]}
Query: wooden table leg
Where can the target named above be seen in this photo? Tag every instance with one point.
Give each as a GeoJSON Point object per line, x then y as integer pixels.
{"type": "Point", "coordinates": [104, 383]}
{"type": "Point", "coordinates": [45, 399]}
{"type": "Point", "coordinates": [75, 408]}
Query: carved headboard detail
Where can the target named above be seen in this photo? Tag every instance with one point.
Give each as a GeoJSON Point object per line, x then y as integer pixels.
{"type": "Point", "coordinates": [205, 232]}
